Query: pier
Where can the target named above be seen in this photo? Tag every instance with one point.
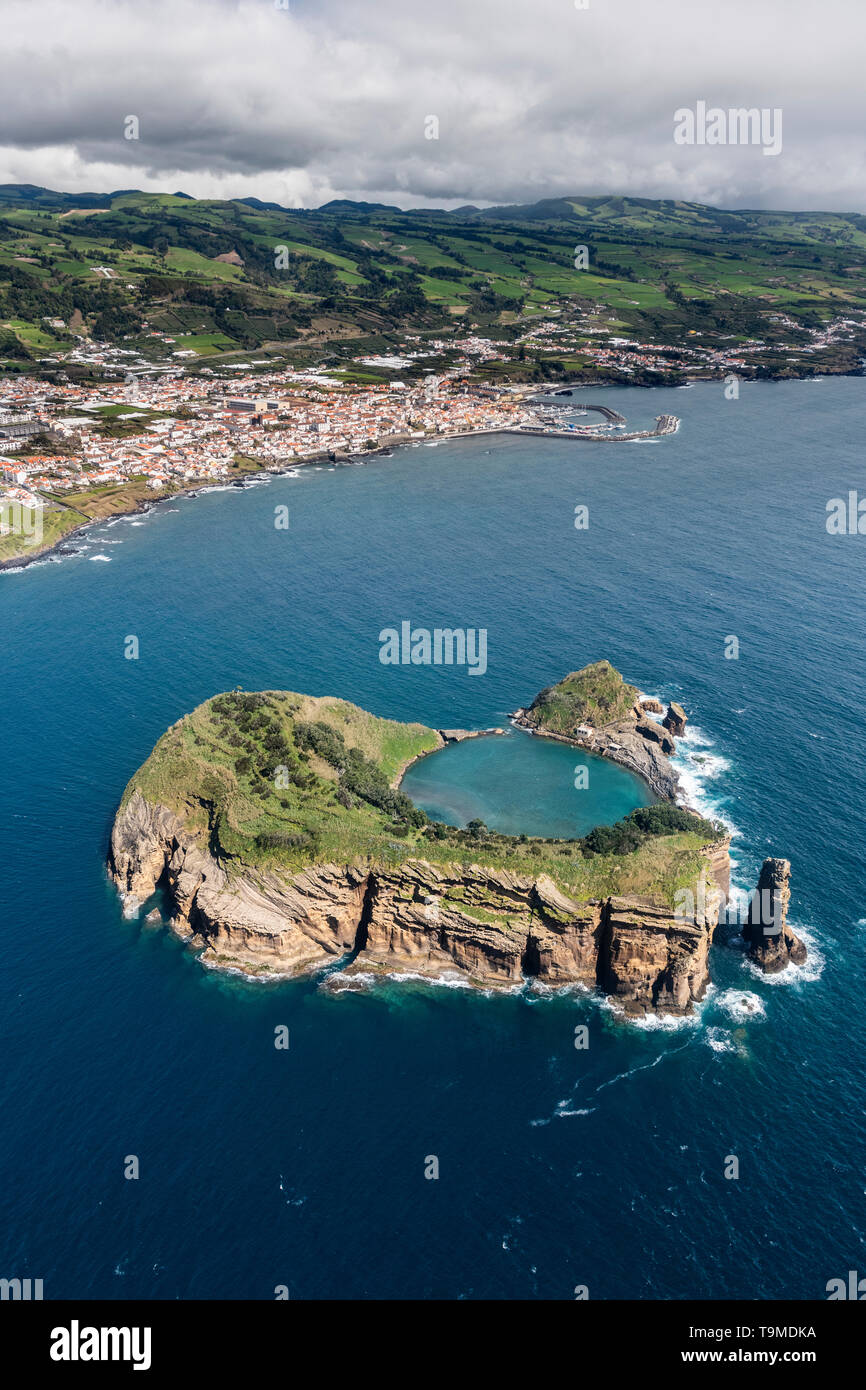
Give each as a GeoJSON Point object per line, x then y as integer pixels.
{"type": "Point", "coordinates": [613, 416]}
{"type": "Point", "coordinates": [665, 424]}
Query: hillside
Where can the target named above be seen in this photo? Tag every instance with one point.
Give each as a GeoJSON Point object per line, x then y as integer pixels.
{"type": "Point", "coordinates": [595, 696]}
{"type": "Point", "coordinates": [282, 780]}
{"type": "Point", "coordinates": [222, 278]}
{"type": "Point", "coordinates": [270, 826]}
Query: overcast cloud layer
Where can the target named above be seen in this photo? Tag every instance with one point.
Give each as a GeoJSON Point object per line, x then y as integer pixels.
{"type": "Point", "coordinates": [534, 98]}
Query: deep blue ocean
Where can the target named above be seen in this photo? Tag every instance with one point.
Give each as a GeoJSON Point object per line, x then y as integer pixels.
{"type": "Point", "coordinates": [558, 1167]}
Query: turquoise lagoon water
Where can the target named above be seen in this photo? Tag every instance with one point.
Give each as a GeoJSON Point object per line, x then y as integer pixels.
{"type": "Point", "coordinates": [518, 783]}
{"type": "Point", "coordinates": [557, 1166]}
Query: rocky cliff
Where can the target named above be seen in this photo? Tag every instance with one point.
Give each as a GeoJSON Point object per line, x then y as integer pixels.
{"type": "Point", "coordinates": [489, 926]}
{"type": "Point", "coordinates": [772, 943]}
{"type": "Point", "coordinates": [595, 709]}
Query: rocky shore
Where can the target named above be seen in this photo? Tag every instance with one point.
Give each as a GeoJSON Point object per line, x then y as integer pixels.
{"type": "Point", "coordinates": [636, 741]}
{"type": "Point", "coordinates": [489, 927]}
{"type": "Point", "coordinates": [633, 920]}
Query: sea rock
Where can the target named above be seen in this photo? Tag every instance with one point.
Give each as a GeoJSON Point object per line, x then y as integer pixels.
{"type": "Point", "coordinates": [772, 943]}
{"type": "Point", "coordinates": [676, 719]}
{"type": "Point", "coordinates": [650, 706]}
{"type": "Point", "coordinates": [648, 728]}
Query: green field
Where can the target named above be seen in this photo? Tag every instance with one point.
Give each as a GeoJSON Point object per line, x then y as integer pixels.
{"type": "Point", "coordinates": [56, 523]}
{"type": "Point", "coordinates": [367, 274]}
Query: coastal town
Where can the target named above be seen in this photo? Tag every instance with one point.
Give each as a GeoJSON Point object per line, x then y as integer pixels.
{"type": "Point", "coordinates": [181, 431]}
{"type": "Point", "coordinates": [168, 429]}
{"type": "Point", "coordinates": [139, 428]}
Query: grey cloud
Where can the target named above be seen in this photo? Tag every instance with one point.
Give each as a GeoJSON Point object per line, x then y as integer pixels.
{"type": "Point", "coordinates": [533, 98]}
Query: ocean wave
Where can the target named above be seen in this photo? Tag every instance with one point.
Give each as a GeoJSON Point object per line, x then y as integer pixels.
{"type": "Point", "coordinates": [268, 977]}
{"type": "Point", "coordinates": [694, 734]}
{"type": "Point", "coordinates": [371, 979]}
{"type": "Point", "coordinates": [699, 769]}
{"type": "Point", "coordinates": [797, 975]}
{"type": "Point", "coordinates": [563, 1106]}
{"type": "Point", "coordinates": [218, 487]}
{"type": "Point", "coordinates": [105, 558]}
{"type": "Point", "coordinates": [537, 991]}
{"type": "Point", "coordinates": [38, 564]}
{"type": "Point", "coordinates": [654, 1023]}
{"type": "Point", "coordinates": [720, 1040]}
{"type": "Point", "coordinates": [740, 1005]}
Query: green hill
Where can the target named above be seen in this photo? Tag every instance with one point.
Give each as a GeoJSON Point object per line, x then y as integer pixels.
{"type": "Point", "coordinates": [596, 695]}
{"type": "Point", "coordinates": [358, 276]}
{"type": "Point", "coordinates": [282, 780]}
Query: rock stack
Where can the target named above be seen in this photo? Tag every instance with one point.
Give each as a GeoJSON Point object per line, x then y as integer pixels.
{"type": "Point", "coordinates": [675, 720]}
{"type": "Point", "coordinates": [772, 943]}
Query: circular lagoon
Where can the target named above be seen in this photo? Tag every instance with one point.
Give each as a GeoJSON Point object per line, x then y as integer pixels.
{"type": "Point", "coordinates": [521, 784]}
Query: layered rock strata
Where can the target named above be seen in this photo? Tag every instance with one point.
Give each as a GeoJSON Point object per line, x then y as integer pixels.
{"type": "Point", "coordinates": [488, 926]}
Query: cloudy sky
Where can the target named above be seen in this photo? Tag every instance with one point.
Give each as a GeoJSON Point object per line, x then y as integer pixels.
{"type": "Point", "coordinates": [300, 101]}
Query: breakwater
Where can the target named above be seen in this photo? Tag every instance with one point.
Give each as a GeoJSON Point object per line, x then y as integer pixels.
{"type": "Point", "coordinates": [665, 424]}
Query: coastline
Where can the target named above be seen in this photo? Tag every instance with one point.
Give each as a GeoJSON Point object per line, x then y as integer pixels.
{"type": "Point", "coordinates": [334, 457]}
{"type": "Point", "coordinates": [653, 769]}
{"type": "Point", "coordinates": [147, 505]}
{"type": "Point", "coordinates": [385, 450]}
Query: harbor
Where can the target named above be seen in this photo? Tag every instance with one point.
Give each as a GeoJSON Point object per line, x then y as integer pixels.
{"type": "Point", "coordinates": [546, 421]}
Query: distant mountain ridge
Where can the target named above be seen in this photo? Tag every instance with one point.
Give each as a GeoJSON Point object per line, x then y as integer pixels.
{"type": "Point", "coordinates": [351, 278]}
{"type": "Point", "coordinates": [577, 207]}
